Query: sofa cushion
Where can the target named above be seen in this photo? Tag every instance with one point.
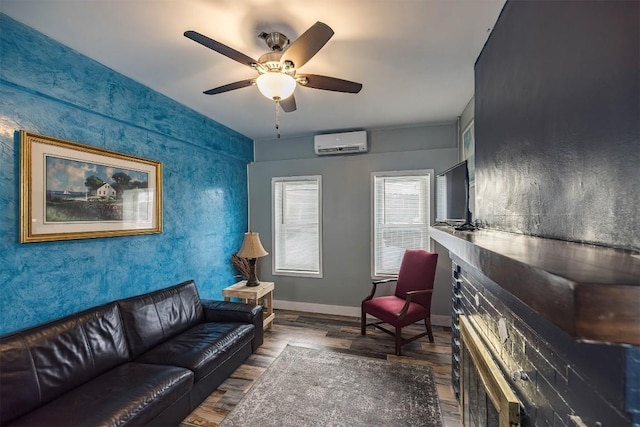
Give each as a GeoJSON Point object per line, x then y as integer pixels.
{"type": "Point", "coordinates": [201, 348]}
{"type": "Point", "coordinates": [155, 317]}
{"type": "Point", "coordinates": [226, 311]}
{"type": "Point", "coordinates": [39, 364]}
{"type": "Point", "coordinates": [131, 394]}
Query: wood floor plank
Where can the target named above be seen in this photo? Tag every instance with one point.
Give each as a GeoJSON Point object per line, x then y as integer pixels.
{"type": "Point", "coordinates": [229, 400]}
{"type": "Point", "coordinates": [208, 414]}
{"type": "Point", "coordinates": [235, 384]}
{"type": "Point", "coordinates": [260, 360]}
{"type": "Point", "coordinates": [334, 333]}
{"type": "Point", "coordinates": [295, 329]}
{"type": "Point", "coordinates": [248, 372]}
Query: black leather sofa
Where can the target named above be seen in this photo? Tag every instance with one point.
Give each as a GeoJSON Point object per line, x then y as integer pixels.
{"type": "Point", "coordinates": [142, 361]}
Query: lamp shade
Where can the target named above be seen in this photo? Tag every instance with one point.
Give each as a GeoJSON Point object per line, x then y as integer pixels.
{"type": "Point", "coordinates": [276, 85]}
{"type": "Point", "coordinates": [251, 246]}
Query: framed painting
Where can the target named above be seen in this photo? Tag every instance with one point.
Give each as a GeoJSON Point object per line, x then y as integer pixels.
{"type": "Point", "coordinates": [468, 152]}
{"type": "Point", "coordinates": [74, 191]}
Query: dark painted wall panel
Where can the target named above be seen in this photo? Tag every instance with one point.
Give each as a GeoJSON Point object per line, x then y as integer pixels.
{"type": "Point", "coordinates": [557, 122]}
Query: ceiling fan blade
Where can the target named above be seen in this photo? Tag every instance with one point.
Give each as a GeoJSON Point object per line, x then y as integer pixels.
{"type": "Point", "coordinates": [307, 45]}
{"type": "Point", "coordinates": [330, 83]}
{"type": "Point", "coordinates": [220, 48]}
{"type": "Point", "coordinates": [230, 86]}
{"type": "Point", "coordinates": [289, 104]}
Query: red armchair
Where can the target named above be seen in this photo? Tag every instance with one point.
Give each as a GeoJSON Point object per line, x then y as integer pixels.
{"type": "Point", "coordinates": [411, 301]}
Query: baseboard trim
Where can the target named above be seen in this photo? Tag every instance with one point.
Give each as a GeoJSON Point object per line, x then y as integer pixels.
{"type": "Point", "coordinates": [341, 310]}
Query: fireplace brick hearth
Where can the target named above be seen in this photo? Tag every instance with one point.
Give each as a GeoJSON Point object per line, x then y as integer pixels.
{"type": "Point", "coordinates": [563, 376]}
{"type": "Point", "coordinates": [560, 380]}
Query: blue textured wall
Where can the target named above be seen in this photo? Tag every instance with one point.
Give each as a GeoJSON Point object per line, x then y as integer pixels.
{"type": "Point", "coordinates": [47, 88]}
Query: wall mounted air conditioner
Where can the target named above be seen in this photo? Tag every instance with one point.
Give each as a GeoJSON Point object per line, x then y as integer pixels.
{"type": "Point", "coordinates": [340, 143]}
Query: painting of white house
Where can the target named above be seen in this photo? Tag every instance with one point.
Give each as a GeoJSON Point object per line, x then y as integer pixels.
{"type": "Point", "coordinates": [82, 191]}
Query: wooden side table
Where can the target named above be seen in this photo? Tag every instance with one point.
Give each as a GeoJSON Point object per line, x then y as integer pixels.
{"type": "Point", "coordinates": [261, 294]}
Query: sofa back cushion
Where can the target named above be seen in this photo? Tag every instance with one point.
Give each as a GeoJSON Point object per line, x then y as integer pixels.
{"type": "Point", "coordinates": [41, 363]}
{"type": "Point", "coordinates": [153, 318]}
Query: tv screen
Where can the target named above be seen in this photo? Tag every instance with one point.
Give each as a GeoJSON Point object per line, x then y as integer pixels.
{"type": "Point", "coordinates": [451, 194]}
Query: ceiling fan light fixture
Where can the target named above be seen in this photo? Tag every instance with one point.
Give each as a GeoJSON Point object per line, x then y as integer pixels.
{"type": "Point", "coordinates": [276, 85]}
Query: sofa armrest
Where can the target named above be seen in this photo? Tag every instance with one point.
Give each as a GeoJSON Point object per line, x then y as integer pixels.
{"type": "Point", "coordinates": [226, 311]}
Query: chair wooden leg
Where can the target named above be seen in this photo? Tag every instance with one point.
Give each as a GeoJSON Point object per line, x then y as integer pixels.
{"type": "Point", "coordinates": [398, 341]}
{"type": "Point", "coordinates": [363, 322]}
{"type": "Point", "coordinates": [427, 323]}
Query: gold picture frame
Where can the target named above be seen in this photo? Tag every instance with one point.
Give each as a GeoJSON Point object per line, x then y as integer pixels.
{"type": "Point", "coordinates": [75, 191]}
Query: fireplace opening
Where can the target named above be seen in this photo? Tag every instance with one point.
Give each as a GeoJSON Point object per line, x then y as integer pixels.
{"type": "Point", "coordinates": [485, 395]}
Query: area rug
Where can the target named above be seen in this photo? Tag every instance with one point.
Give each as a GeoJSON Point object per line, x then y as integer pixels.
{"type": "Point", "coordinates": [307, 387]}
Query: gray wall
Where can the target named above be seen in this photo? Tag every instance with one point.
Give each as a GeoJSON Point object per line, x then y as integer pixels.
{"type": "Point", "coordinates": [557, 127]}
{"type": "Point", "coordinates": [346, 207]}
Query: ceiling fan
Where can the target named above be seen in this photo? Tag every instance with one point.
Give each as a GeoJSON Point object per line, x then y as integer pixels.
{"type": "Point", "coordinates": [278, 69]}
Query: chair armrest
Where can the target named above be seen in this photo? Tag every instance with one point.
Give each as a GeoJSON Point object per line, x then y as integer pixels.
{"type": "Point", "coordinates": [375, 284]}
{"type": "Point", "coordinates": [407, 302]}
{"type": "Point", "coordinates": [226, 311]}
{"type": "Point", "coordinates": [421, 291]}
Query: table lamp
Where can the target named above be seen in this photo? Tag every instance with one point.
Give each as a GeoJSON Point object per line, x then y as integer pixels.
{"type": "Point", "coordinates": [252, 249]}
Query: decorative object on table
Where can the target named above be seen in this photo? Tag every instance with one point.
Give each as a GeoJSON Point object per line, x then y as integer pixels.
{"type": "Point", "coordinates": [252, 250]}
{"type": "Point", "coordinates": [241, 265]}
{"type": "Point", "coordinates": [305, 386]}
{"type": "Point", "coordinates": [74, 191]}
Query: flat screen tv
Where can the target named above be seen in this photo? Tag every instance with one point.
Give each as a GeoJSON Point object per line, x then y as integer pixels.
{"type": "Point", "coordinates": [452, 197]}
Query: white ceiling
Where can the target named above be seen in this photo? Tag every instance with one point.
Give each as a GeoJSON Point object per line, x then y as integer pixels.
{"type": "Point", "coordinates": [414, 57]}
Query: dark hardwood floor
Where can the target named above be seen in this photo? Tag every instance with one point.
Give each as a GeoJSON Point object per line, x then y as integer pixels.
{"type": "Point", "coordinates": [335, 333]}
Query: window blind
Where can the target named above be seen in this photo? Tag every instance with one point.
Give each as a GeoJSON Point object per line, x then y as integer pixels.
{"type": "Point", "coordinates": [297, 225]}
{"type": "Point", "coordinates": [401, 218]}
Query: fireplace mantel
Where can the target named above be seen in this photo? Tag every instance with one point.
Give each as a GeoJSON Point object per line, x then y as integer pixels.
{"type": "Point", "coordinates": [590, 292]}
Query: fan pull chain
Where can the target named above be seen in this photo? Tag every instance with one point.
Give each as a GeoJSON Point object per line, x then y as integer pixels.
{"type": "Point", "coordinates": [278, 117]}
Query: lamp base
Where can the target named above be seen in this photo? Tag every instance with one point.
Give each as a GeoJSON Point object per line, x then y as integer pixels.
{"type": "Point", "coordinates": [252, 280]}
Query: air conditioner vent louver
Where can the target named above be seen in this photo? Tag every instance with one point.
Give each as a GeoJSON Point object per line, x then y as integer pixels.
{"type": "Point", "coordinates": [344, 149]}
{"type": "Point", "coordinates": [340, 143]}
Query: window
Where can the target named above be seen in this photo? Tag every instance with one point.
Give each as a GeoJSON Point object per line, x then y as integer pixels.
{"type": "Point", "coordinates": [401, 217]}
{"type": "Point", "coordinates": [297, 226]}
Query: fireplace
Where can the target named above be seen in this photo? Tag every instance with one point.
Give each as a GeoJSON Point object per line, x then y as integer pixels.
{"type": "Point", "coordinates": [559, 319]}
{"type": "Point", "coordinates": [486, 399]}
